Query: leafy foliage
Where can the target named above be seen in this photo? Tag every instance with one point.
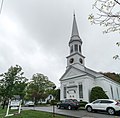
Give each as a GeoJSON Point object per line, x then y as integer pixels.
{"type": "Point", "coordinates": [55, 93]}
{"type": "Point", "coordinates": [107, 14]}
{"type": "Point", "coordinates": [113, 76]}
{"type": "Point", "coordinates": [12, 83]}
{"type": "Point", "coordinates": [53, 102]}
{"type": "Point", "coordinates": [83, 103]}
{"type": "Point", "coordinates": [38, 88]}
{"type": "Point", "coordinates": [97, 93]}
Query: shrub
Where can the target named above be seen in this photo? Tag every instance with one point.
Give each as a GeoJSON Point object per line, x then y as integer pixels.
{"type": "Point", "coordinates": [97, 93]}
{"type": "Point", "coordinates": [83, 103]}
{"type": "Point", "coordinates": [53, 102]}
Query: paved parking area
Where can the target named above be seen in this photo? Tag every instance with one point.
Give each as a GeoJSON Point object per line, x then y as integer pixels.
{"type": "Point", "coordinates": [73, 113]}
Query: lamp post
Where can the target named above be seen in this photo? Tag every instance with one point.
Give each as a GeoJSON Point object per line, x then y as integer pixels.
{"type": "Point", "coordinates": [53, 103]}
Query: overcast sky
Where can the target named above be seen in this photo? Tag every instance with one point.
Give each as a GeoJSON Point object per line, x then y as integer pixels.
{"type": "Point", "coordinates": [35, 34]}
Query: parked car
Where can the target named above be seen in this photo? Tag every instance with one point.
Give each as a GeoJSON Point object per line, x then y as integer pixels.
{"type": "Point", "coordinates": [108, 105]}
{"type": "Point", "coordinates": [68, 104]}
{"type": "Point", "coordinates": [29, 103]}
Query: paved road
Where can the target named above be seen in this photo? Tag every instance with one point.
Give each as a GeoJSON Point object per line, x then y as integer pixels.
{"type": "Point", "coordinates": [74, 113]}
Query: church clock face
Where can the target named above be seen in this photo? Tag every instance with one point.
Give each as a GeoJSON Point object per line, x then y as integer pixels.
{"type": "Point", "coordinates": [71, 60]}
{"type": "Point", "coordinates": [81, 61]}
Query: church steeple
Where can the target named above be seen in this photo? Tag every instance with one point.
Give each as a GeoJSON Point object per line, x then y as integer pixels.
{"type": "Point", "coordinates": [75, 58]}
{"type": "Point", "coordinates": [74, 28]}
{"type": "Point", "coordinates": [75, 33]}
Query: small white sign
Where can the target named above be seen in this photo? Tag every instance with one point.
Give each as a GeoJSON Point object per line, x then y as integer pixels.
{"type": "Point", "coordinates": [15, 103]}
{"type": "Point", "coordinates": [14, 107]}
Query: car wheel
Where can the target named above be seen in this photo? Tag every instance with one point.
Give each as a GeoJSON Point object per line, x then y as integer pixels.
{"type": "Point", "coordinates": [69, 107]}
{"type": "Point", "coordinates": [58, 106]}
{"type": "Point", "coordinates": [89, 108]}
{"type": "Point", "coordinates": [111, 111]}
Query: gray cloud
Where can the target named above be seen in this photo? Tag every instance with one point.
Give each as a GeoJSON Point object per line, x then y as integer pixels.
{"type": "Point", "coordinates": [35, 35]}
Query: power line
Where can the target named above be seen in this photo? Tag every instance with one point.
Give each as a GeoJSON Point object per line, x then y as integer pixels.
{"type": "Point", "coordinates": [1, 6]}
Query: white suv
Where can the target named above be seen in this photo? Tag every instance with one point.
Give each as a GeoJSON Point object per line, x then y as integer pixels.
{"type": "Point", "coordinates": [111, 106]}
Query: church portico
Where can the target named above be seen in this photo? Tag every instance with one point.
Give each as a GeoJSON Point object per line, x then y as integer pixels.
{"type": "Point", "coordinates": [73, 89]}
{"type": "Point", "coordinates": [72, 92]}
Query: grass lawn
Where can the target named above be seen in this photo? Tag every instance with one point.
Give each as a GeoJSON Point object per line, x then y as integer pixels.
{"type": "Point", "coordinates": [2, 112]}
{"type": "Point", "coordinates": [31, 114]}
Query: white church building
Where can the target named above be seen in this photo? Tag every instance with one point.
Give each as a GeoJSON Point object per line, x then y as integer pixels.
{"type": "Point", "coordinates": [78, 80]}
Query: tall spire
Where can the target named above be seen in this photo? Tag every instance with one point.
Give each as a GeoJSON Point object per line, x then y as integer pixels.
{"type": "Point", "coordinates": [75, 58]}
{"type": "Point", "coordinates": [74, 28]}
{"type": "Point", "coordinates": [75, 33]}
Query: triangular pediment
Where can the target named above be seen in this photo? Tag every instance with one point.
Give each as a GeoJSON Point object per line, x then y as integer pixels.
{"type": "Point", "coordinates": [71, 73]}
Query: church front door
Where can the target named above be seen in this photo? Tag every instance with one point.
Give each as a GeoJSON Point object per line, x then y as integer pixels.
{"type": "Point", "coordinates": [71, 94]}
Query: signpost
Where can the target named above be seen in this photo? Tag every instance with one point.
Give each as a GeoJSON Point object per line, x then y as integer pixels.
{"type": "Point", "coordinates": [15, 104]}
{"type": "Point", "coordinates": [53, 103]}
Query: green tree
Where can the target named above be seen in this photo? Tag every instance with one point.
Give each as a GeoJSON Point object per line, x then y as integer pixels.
{"type": "Point", "coordinates": [38, 88]}
{"type": "Point", "coordinates": [12, 83]}
{"type": "Point", "coordinates": [57, 94]}
{"type": "Point", "coordinates": [113, 76]}
{"type": "Point", "coordinates": [97, 93]}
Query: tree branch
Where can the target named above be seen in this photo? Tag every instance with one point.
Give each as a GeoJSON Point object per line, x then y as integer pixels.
{"type": "Point", "coordinates": [117, 2]}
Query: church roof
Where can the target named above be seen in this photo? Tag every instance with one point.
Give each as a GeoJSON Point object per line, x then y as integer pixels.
{"type": "Point", "coordinates": [75, 33]}
{"type": "Point", "coordinates": [87, 71]}
{"type": "Point", "coordinates": [92, 72]}
{"type": "Point", "coordinates": [98, 75]}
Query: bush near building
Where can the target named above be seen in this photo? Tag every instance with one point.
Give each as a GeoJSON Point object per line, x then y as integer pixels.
{"type": "Point", "coordinates": [97, 93]}
{"type": "Point", "coordinates": [83, 103]}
